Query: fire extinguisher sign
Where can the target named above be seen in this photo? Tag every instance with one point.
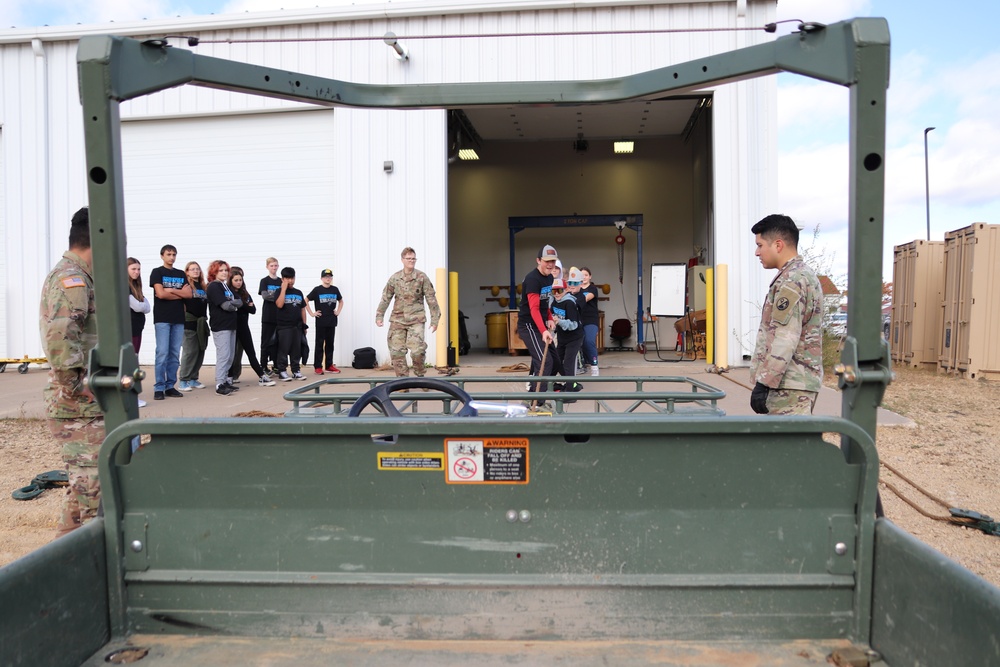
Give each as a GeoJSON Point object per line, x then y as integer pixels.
{"type": "Point", "coordinates": [486, 460]}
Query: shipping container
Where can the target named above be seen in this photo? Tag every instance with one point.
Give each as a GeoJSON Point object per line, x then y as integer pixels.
{"type": "Point", "coordinates": [918, 290]}
{"type": "Point", "coordinates": [971, 306]}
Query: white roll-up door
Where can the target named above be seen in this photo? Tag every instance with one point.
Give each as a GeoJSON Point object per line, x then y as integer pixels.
{"type": "Point", "coordinates": [240, 189]}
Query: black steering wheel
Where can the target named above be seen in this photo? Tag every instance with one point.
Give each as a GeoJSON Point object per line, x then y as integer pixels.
{"type": "Point", "coordinates": [379, 396]}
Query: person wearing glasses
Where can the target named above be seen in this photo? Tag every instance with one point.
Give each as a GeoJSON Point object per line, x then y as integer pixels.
{"type": "Point", "coordinates": [408, 289]}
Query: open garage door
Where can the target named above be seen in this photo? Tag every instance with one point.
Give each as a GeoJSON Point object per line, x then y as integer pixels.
{"type": "Point", "coordinates": [257, 172]}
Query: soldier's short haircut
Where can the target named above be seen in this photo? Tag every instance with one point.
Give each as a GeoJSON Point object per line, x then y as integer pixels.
{"type": "Point", "coordinates": [406, 251]}
{"type": "Point", "coordinates": [778, 226]}
{"type": "Point", "coordinates": [166, 248]}
{"type": "Point", "coordinates": [79, 229]}
{"type": "Point", "coordinates": [288, 272]}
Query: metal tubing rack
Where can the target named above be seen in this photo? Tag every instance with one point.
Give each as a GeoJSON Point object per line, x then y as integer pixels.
{"type": "Point", "coordinates": [620, 395]}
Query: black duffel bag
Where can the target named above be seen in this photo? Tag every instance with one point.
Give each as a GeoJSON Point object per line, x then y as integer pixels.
{"type": "Point", "coordinates": [364, 357]}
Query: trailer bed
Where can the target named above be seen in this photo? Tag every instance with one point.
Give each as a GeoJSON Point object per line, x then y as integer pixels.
{"type": "Point", "coordinates": [173, 651]}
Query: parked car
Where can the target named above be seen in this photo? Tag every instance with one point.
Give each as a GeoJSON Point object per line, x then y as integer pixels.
{"type": "Point", "coordinates": [836, 323]}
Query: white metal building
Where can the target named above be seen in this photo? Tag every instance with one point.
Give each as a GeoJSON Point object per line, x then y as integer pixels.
{"type": "Point", "coordinates": [225, 176]}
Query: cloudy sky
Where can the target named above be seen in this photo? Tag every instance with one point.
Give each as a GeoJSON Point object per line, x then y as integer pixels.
{"type": "Point", "coordinates": [945, 74]}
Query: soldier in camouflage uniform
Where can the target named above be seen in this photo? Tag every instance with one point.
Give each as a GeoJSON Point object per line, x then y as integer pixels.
{"type": "Point", "coordinates": [787, 364]}
{"type": "Point", "coordinates": [410, 288]}
{"type": "Point", "coordinates": [68, 329]}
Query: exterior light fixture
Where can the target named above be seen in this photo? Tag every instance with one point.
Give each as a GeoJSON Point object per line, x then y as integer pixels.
{"type": "Point", "coordinates": [624, 146]}
{"type": "Point", "coordinates": [402, 53]}
{"type": "Point", "coordinates": [468, 154]}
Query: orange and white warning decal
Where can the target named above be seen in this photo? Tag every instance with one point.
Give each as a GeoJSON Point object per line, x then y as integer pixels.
{"type": "Point", "coordinates": [486, 460]}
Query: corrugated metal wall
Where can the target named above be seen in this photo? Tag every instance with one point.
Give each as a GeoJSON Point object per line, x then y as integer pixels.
{"type": "Point", "coordinates": [409, 206]}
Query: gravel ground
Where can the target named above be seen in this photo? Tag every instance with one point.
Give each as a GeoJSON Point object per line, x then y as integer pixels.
{"type": "Point", "coordinates": [953, 452]}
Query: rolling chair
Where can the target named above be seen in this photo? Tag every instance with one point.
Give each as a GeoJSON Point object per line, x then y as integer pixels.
{"type": "Point", "coordinates": [621, 329]}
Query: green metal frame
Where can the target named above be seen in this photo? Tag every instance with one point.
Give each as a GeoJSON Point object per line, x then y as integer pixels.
{"type": "Point", "coordinates": [854, 54]}
{"type": "Point", "coordinates": [688, 528]}
{"type": "Point", "coordinates": [605, 396]}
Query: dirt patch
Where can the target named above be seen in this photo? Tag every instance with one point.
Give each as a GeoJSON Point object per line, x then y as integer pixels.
{"type": "Point", "coordinates": [25, 451]}
{"type": "Point", "coordinates": [953, 452]}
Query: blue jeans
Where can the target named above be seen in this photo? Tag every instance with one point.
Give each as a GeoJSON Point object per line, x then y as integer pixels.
{"type": "Point", "coordinates": [168, 354]}
{"type": "Point", "coordinates": [590, 344]}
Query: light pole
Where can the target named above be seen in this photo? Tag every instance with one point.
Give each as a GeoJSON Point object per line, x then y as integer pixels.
{"type": "Point", "coordinates": [927, 183]}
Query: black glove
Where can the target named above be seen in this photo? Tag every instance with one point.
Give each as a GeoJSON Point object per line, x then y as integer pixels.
{"type": "Point", "coordinates": [758, 398]}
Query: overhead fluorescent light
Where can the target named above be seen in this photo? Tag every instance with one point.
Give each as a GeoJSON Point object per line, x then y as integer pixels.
{"type": "Point", "coordinates": [468, 154]}
{"type": "Point", "coordinates": [624, 146]}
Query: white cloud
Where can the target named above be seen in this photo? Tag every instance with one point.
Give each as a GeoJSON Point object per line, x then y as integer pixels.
{"type": "Point", "coordinates": [822, 11]}
{"type": "Point", "coordinates": [960, 98]}
{"type": "Point", "coordinates": [808, 104]}
{"type": "Point", "coordinates": [23, 13]}
{"type": "Point", "coordinates": [240, 6]}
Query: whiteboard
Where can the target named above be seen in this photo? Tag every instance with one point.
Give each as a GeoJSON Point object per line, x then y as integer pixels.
{"type": "Point", "coordinates": [667, 288]}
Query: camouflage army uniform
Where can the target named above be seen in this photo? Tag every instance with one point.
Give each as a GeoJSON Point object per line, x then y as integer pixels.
{"type": "Point", "coordinates": [789, 353]}
{"type": "Point", "coordinates": [68, 330]}
{"type": "Point", "coordinates": [407, 321]}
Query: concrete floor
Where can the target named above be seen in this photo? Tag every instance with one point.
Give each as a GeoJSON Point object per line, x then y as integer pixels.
{"type": "Point", "coordinates": [21, 395]}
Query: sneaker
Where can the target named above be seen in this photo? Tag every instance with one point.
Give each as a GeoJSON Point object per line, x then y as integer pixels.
{"type": "Point", "coordinates": [318, 371]}
{"type": "Point", "coordinates": [184, 385]}
{"type": "Point", "coordinates": [332, 369]}
{"type": "Point", "coordinates": [594, 371]}
{"type": "Point", "coordinates": [284, 377]}
{"type": "Point", "coordinates": [142, 403]}
{"type": "Point", "coordinates": [298, 376]}
{"type": "Point", "coordinates": [265, 381]}
{"type": "Point", "coordinates": [157, 395]}
{"type": "Point", "coordinates": [231, 386]}
{"type": "Point", "coordinates": [223, 389]}
{"type": "Point", "coordinates": [232, 381]}
{"type": "Point", "coordinates": [194, 384]}
{"type": "Point", "coordinates": [173, 393]}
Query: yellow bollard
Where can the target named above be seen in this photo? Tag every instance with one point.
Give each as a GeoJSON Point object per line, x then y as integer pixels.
{"type": "Point", "coordinates": [453, 312]}
{"type": "Point", "coordinates": [441, 336]}
{"type": "Point", "coordinates": [709, 316]}
{"type": "Point", "coordinates": [722, 317]}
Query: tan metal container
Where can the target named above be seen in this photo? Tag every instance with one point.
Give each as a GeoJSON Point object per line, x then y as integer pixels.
{"type": "Point", "coordinates": [970, 344]}
{"type": "Point", "coordinates": [917, 293]}
{"type": "Point", "coordinates": [496, 331]}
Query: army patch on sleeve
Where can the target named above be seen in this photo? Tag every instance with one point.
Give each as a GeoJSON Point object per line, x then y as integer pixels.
{"type": "Point", "coordinates": [73, 281]}
{"type": "Point", "coordinates": [784, 305]}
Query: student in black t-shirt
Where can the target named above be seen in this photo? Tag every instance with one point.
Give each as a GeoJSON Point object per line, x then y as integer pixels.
{"type": "Point", "coordinates": [329, 302]}
{"type": "Point", "coordinates": [590, 315]}
{"type": "Point", "coordinates": [565, 310]}
{"type": "Point", "coordinates": [291, 319]}
{"type": "Point", "coordinates": [534, 323]}
{"type": "Point", "coordinates": [268, 291]}
{"type": "Point", "coordinates": [169, 291]}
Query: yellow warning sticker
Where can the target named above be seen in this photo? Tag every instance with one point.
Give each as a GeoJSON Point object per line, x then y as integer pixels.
{"type": "Point", "coordinates": [486, 460]}
{"type": "Point", "coordinates": [411, 461]}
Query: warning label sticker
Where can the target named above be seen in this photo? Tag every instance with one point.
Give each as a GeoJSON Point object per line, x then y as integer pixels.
{"type": "Point", "coordinates": [486, 460]}
{"type": "Point", "coordinates": [410, 461]}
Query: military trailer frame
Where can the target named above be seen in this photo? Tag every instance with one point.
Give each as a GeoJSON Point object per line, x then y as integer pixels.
{"type": "Point", "coordinates": [668, 539]}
